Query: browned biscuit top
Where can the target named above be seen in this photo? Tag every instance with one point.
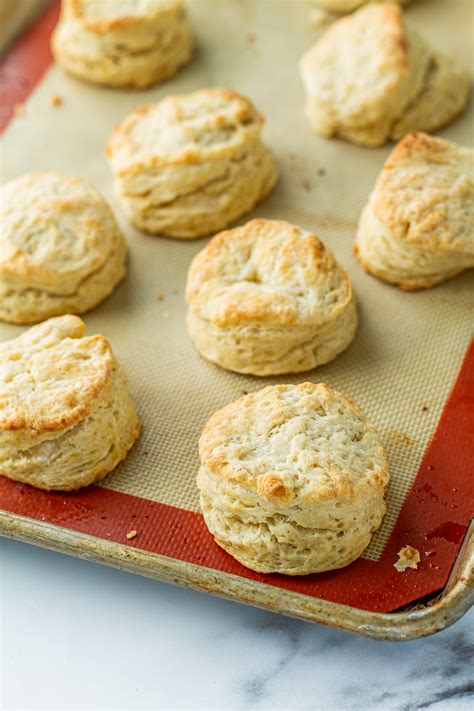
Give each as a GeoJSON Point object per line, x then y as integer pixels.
{"type": "Point", "coordinates": [304, 442]}
{"type": "Point", "coordinates": [425, 194]}
{"type": "Point", "coordinates": [183, 130]}
{"type": "Point", "coordinates": [51, 377]}
{"type": "Point", "coordinates": [267, 271]}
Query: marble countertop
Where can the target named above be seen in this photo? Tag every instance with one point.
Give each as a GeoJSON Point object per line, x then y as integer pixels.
{"type": "Point", "coordinates": [80, 636]}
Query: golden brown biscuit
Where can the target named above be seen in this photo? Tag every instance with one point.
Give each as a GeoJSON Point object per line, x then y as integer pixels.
{"type": "Point", "coordinates": [292, 479]}
{"type": "Point", "coordinates": [418, 227]}
{"type": "Point", "coordinates": [66, 415]}
{"type": "Point", "coordinates": [371, 78]}
{"type": "Point", "coordinates": [122, 43]}
{"type": "Point", "coordinates": [269, 298]}
{"type": "Point", "coordinates": [60, 248]}
{"type": "Point", "coordinates": [191, 164]}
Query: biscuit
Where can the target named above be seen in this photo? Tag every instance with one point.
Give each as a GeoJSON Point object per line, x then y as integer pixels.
{"type": "Point", "coordinates": [269, 298]}
{"type": "Point", "coordinates": [371, 78]}
{"type": "Point", "coordinates": [60, 248]}
{"type": "Point", "coordinates": [122, 43]}
{"type": "Point", "coordinates": [292, 479]}
{"type": "Point", "coordinates": [418, 227]}
{"type": "Point", "coordinates": [442, 99]}
{"type": "Point", "coordinates": [344, 6]}
{"type": "Point", "coordinates": [66, 415]}
{"type": "Point", "coordinates": [191, 164]}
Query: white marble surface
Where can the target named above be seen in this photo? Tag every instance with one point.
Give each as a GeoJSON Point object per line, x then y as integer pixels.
{"type": "Point", "coordinates": [80, 636]}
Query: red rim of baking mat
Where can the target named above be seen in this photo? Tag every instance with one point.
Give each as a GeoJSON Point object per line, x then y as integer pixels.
{"type": "Point", "coordinates": [434, 517]}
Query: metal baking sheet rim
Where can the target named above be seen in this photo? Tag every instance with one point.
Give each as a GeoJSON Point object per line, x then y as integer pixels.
{"type": "Point", "coordinates": [454, 601]}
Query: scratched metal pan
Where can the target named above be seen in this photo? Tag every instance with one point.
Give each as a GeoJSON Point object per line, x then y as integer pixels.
{"type": "Point", "coordinates": [418, 620]}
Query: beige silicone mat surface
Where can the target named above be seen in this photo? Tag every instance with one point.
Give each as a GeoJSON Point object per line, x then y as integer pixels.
{"type": "Point", "coordinates": [408, 348]}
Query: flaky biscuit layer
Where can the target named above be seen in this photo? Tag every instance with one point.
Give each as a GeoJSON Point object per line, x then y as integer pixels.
{"type": "Point", "coordinates": [191, 164]}
{"type": "Point", "coordinates": [61, 250]}
{"type": "Point", "coordinates": [292, 479]}
{"type": "Point", "coordinates": [418, 227]}
{"type": "Point", "coordinates": [66, 416]}
{"type": "Point", "coordinates": [122, 44]}
{"type": "Point", "coordinates": [371, 78]}
{"type": "Point", "coordinates": [269, 298]}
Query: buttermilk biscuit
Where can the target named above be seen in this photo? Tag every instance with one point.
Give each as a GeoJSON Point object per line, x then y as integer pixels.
{"type": "Point", "coordinates": [292, 479]}
{"type": "Point", "coordinates": [269, 298]}
{"type": "Point", "coordinates": [418, 226]}
{"type": "Point", "coordinates": [60, 248]}
{"type": "Point", "coordinates": [123, 43]}
{"type": "Point", "coordinates": [191, 164]}
{"type": "Point", "coordinates": [372, 78]}
{"type": "Point", "coordinates": [442, 98]}
{"type": "Point", "coordinates": [66, 416]}
{"type": "Point", "coordinates": [343, 6]}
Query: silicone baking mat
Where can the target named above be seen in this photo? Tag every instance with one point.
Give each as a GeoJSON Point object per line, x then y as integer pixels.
{"type": "Point", "coordinates": [403, 364]}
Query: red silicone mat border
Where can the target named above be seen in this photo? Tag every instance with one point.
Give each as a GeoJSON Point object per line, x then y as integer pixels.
{"type": "Point", "coordinates": [25, 63]}
{"type": "Point", "coordinates": [434, 518]}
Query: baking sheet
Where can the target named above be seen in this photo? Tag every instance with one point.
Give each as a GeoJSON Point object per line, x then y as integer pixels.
{"type": "Point", "coordinates": [408, 349]}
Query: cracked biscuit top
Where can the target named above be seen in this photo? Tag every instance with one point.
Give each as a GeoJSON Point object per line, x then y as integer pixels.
{"type": "Point", "coordinates": [186, 129]}
{"type": "Point", "coordinates": [425, 194]}
{"type": "Point", "coordinates": [55, 232]}
{"type": "Point", "coordinates": [295, 443]}
{"type": "Point", "coordinates": [267, 271]}
{"type": "Point", "coordinates": [51, 377]}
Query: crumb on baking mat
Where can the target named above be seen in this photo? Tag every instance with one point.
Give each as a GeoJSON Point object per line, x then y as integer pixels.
{"type": "Point", "coordinates": [131, 534]}
{"type": "Point", "coordinates": [408, 557]}
{"type": "Point", "coordinates": [56, 100]}
{"type": "Point", "coordinates": [251, 42]}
